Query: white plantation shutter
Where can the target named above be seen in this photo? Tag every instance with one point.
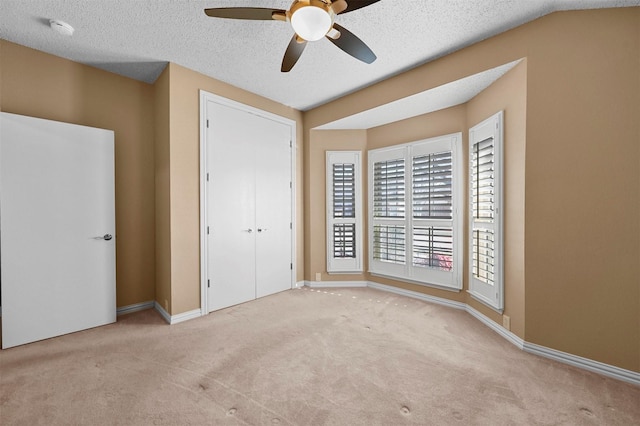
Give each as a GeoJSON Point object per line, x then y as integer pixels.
{"type": "Point", "coordinates": [344, 241]}
{"type": "Point", "coordinates": [387, 208]}
{"type": "Point", "coordinates": [389, 243]}
{"type": "Point", "coordinates": [433, 186]}
{"type": "Point", "coordinates": [482, 207]}
{"type": "Point", "coordinates": [344, 187]}
{"type": "Point", "coordinates": [389, 203]}
{"type": "Point", "coordinates": [415, 222]}
{"type": "Point", "coordinates": [388, 189]}
{"type": "Point", "coordinates": [433, 247]}
{"type": "Point", "coordinates": [485, 216]}
{"type": "Point", "coordinates": [344, 190]}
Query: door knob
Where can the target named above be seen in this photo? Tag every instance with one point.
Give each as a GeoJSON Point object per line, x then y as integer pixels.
{"type": "Point", "coordinates": [107, 237]}
{"type": "Point", "coordinates": [249, 230]}
{"type": "Point", "coordinates": [262, 229]}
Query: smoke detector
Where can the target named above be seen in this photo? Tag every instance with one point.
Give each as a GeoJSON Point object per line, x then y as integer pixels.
{"type": "Point", "coordinates": [61, 27]}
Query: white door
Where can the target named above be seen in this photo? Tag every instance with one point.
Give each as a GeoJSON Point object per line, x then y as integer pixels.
{"type": "Point", "coordinates": [273, 208]}
{"type": "Point", "coordinates": [56, 207]}
{"type": "Point", "coordinates": [248, 206]}
{"type": "Point", "coordinates": [231, 224]}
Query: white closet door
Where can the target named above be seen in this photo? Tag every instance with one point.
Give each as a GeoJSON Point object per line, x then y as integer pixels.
{"type": "Point", "coordinates": [273, 209]}
{"type": "Point", "coordinates": [248, 206]}
{"type": "Point", "coordinates": [56, 205]}
{"type": "Point", "coordinates": [231, 207]}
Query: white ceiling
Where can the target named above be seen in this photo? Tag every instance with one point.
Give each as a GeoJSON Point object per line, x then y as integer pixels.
{"type": "Point", "coordinates": [136, 38]}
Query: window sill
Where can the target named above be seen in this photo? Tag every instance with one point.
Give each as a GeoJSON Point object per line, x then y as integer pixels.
{"type": "Point", "coordinates": [422, 283]}
{"type": "Point", "coordinates": [344, 272]}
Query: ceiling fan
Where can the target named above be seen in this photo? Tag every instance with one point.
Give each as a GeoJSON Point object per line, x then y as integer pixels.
{"type": "Point", "coordinates": [311, 20]}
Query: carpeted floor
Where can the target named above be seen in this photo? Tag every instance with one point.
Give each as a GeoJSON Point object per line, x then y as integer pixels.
{"type": "Point", "coordinates": [303, 357]}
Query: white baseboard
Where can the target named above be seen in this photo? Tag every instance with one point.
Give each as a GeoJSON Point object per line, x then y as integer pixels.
{"type": "Point", "coordinates": [416, 295]}
{"type": "Point", "coordinates": [508, 335]}
{"type": "Point", "coordinates": [186, 316]}
{"type": "Point", "coordinates": [618, 373]}
{"type": "Point", "coordinates": [584, 363]}
{"type": "Point", "coordinates": [164, 314]}
{"type": "Point", "coordinates": [136, 307]}
{"type": "Point", "coordinates": [175, 319]}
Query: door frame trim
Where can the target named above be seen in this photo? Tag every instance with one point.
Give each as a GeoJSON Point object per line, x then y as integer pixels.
{"type": "Point", "coordinates": [206, 97]}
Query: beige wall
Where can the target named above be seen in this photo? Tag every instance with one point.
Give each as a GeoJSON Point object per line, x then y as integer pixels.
{"type": "Point", "coordinates": [583, 186]}
{"type": "Point", "coordinates": [40, 85]}
{"type": "Point", "coordinates": [184, 178]}
{"type": "Point", "coordinates": [162, 192]}
{"type": "Point", "coordinates": [573, 175]}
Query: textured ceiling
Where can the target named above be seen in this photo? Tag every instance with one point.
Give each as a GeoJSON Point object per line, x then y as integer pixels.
{"type": "Point", "coordinates": [136, 38]}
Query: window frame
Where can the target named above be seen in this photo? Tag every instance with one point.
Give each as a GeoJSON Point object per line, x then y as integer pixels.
{"type": "Point", "coordinates": [491, 295]}
{"type": "Point", "coordinates": [337, 265]}
{"type": "Point", "coordinates": [450, 280]}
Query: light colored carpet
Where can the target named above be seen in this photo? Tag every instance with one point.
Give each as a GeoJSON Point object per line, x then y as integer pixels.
{"type": "Point", "coordinates": [303, 357]}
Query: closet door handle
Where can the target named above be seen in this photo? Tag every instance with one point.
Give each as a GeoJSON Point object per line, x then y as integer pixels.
{"type": "Point", "coordinates": [262, 229]}
{"type": "Point", "coordinates": [105, 237]}
{"type": "Point", "coordinates": [249, 230]}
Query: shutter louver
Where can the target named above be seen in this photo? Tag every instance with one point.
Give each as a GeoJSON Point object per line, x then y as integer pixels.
{"type": "Point", "coordinates": [483, 255]}
{"type": "Point", "coordinates": [388, 193]}
{"type": "Point", "coordinates": [388, 243]}
{"type": "Point", "coordinates": [344, 241]}
{"type": "Point", "coordinates": [344, 191]}
{"type": "Point", "coordinates": [433, 247]}
{"type": "Point", "coordinates": [483, 180]}
{"type": "Point", "coordinates": [432, 186]}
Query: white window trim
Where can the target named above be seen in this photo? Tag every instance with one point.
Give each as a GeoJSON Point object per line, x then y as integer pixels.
{"type": "Point", "coordinates": [344, 265]}
{"type": "Point", "coordinates": [407, 272]}
{"type": "Point", "coordinates": [492, 296]}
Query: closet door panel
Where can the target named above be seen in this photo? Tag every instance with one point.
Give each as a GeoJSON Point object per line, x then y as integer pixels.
{"type": "Point", "coordinates": [273, 209]}
{"type": "Point", "coordinates": [231, 208]}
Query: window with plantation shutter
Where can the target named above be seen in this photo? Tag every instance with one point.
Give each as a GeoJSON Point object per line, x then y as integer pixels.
{"type": "Point", "coordinates": [485, 215]}
{"type": "Point", "coordinates": [415, 218]}
{"type": "Point", "coordinates": [344, 236]}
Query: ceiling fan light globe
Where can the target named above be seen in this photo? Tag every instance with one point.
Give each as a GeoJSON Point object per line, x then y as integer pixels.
{"type": "Point", "coordinates": [311, 22]}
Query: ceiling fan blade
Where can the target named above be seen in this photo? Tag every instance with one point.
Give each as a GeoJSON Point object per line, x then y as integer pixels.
{"type": "Point", "coordinates": [358, 4]}
{"type": "Point", "coordinates": [252, 13]}
{"type": "Point", "coordinates": [294, 50]}
{"type": "Point", "coordinates": [352, 45]}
